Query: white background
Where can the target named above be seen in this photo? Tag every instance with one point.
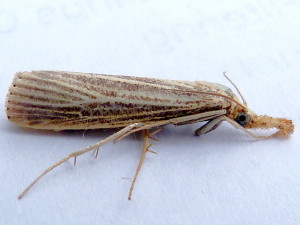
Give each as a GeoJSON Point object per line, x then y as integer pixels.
{"type": "Point", "coordinates": [224, 177]}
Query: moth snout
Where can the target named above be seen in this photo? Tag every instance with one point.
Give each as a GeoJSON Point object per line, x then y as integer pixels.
{"type": "Point", "coordinates": [285, 126]}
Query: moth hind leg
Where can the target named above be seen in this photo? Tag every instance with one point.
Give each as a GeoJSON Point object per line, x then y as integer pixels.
{"type": "Point", "coordinates": [80, 152]}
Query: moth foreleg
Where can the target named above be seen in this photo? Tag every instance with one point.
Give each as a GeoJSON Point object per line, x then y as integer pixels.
{"type": "Point", "coordinates": [210, 126]}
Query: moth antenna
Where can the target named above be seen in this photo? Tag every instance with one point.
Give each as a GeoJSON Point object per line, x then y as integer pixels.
{"type": "Point", "coordinates": [206, 93]}
{"type": "Point", "coordinates": [236, 88]}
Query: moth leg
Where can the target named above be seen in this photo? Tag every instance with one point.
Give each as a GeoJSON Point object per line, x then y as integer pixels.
{"type": "Point", "coordinates": [80, 152]}
{"type": "Point", "coordinates": [177, 121]}
{"type": "Point", "coordinates": [143, 127]}
{"type": "Point", "coordinates": [146, 147]}
{"type": "Point", "coordinates": [210, 126]}
{"type": "Point", "coordinates": [198, 117]}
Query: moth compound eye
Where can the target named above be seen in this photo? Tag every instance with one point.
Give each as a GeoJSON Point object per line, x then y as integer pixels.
{"type": "Point", "coordinates": [243, 119]}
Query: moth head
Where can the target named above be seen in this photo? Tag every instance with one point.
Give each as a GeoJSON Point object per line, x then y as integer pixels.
{"type": "Point", "coordinates": [249, 119]}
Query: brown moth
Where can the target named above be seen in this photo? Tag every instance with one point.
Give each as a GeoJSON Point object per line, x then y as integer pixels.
{"type": "Point", "coordinates": [57, 100]}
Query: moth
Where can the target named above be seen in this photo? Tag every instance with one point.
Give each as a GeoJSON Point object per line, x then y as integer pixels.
{"type": "Point", "coordinates": [58, 100]}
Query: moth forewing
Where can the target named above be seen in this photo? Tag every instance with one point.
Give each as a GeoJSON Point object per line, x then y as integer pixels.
{"type": "Point", "coordinates": [57, 100]}
{"type": "Point", "coordinates": [63, 100]}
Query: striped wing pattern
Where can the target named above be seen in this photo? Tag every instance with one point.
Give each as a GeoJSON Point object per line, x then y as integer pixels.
{"type": "Point", "coordinates": [57, 100]}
